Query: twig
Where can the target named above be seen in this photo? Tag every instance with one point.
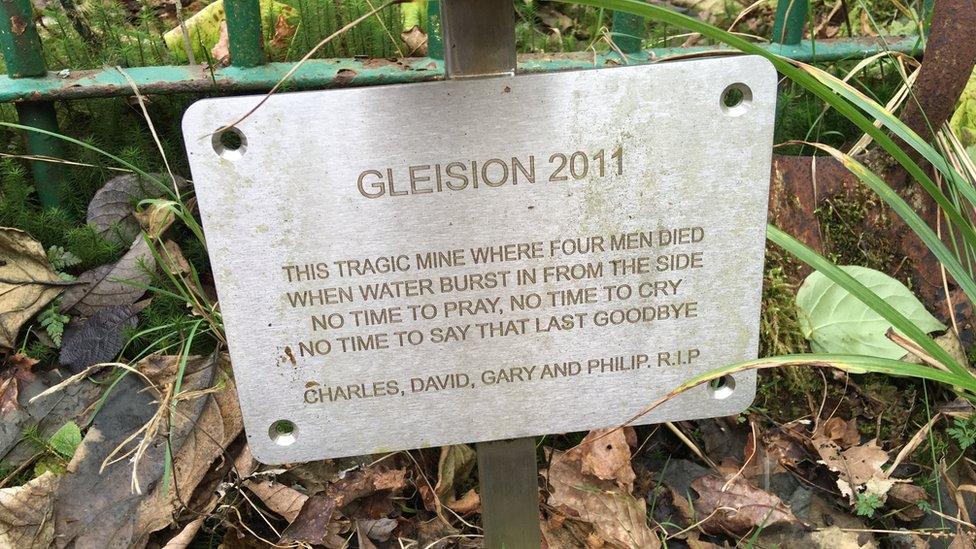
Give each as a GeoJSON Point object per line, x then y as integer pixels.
{"type": "Point", "coordinates": [690, 444]}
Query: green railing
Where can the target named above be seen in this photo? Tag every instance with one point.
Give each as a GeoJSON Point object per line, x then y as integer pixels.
{"type": "Point", "coordinates": [34, 90]}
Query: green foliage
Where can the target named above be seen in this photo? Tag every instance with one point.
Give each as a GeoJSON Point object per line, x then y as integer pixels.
{"type": "Point", "coordinates": [866, 504]}
{"type": "Point", "coordinates": [61, 259]}
{"type": "Point", "coordinates": [66, 440]}
{"type": "Point", "coordinates": [53, 321]}
{"type": "Point", "coordinates": [835, 321]}
{"type": "Point", "coordinates": [963, 431]}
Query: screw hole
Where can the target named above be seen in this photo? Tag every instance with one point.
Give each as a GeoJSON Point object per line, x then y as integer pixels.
{"type": "Point", "coordinates": [230, 143]}
{"type": "Point", "coordinates": [283, 432]}
{"type": "Point", "coordinates": [735, 99]}
{"type": "Point", "coordinates": [722, 387]}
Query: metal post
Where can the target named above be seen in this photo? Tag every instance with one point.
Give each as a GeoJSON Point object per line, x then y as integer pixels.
{"type": "Point", "coordinates": [244, 32]}
{"type": "Point", "coordinates": [628, 31]}
{"type": "Point", "coordinates": [435, 41]}
{"type": "Point", "coordinates": [24, 59]}
{"type": "Point", "coordinates": [788, 25]}
{"type": "Point", "coordinates": [479, 40]}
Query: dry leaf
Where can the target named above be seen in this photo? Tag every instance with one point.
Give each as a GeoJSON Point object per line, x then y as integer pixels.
{"type": "Point", "coordinates": [155, 217]}
{"type": "Point", "coordinates": [835, 538]}
{"type": "Point", "coordinates": [120, 283]}
{"type": "Point", "coordinates": [221, 50]}
{"type": "Point", "coordinates": [469, 503]}
{"type": "Point", "coordinates": [27, 283]}
{"type": "Point", "coordinates": [27, 512]}
{"type": "Point", "coordinates": [963, 540]}
{"type": "Point", "coordinates": [416, 42]}
{"type": "Point", "coordinates": [738, 506]}
{"type": "Point", "coordinates": [173, 259]}
{"type": "Point", "coordinates": [605, 454]}
{"type": "Point", "coordinates": [112, 210]}
{"type": "Point", "coordinates": [186, 535]}
{"type": "Point", "coordinates": [283, 33]}
{"type": "Point", "coordinates": [855, 465]}
{"type": "Point", "coordinates": [15, 375]}
{"type": "Point", "coordinates": [616, 516]}
{"type": "Point", "coordinates": [97, 339]}
{"type": "Point", "coordinates": [844, 433]}
{"type": "Point", "coordinates": [904, 498]}
{"type": "Point", "coordinates": [282, 500]}
{"type": "Point", "coordinates": [455, 464]}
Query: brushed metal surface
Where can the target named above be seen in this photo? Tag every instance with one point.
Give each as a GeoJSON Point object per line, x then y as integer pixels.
{"type": "Point", "coordinates": [290, 197]}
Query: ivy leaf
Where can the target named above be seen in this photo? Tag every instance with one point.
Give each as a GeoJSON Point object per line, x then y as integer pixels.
{"type": "Point", "coordinates": [837, 322]}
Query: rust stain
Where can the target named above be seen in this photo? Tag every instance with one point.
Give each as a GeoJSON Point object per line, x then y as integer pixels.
{"type": "Point", "coordinates": [291, 356]}
{"type": "Point", "coordinates": [310, 384]}
{"type": "Point", "coordinates": [18, 25]}
{"type": "Point", "coordinates": [344, 76]}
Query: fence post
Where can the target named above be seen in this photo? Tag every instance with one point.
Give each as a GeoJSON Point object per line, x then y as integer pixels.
{"type": "Point", "coordinates": [435, 39]}
{"type": "Point", "coordinates": [788, 25]}
{"type": "Point", "coordinates": [22, 53]}
{"type": "Point", "coordinates": [479, 40]}
{"type": "Point", "coordinates": [244, 32]}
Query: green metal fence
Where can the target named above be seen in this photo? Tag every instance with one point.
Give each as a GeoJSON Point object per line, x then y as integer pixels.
{"type": "Point", "coordinates": [34, 90]}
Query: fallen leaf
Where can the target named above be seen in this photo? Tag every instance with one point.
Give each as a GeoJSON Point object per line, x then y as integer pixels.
{"type": "Point", "coordinates": [99, 507]}
{"type": "Point", "coordinates": [616, 516]}
{"type": "Point", "coordinates": [554, 19]}
{"type": "Point", "coordinates": [282, 500]}
{"type": "Point", "coordinates": [605, 454]}
{"type": "Point", "coordinates": [738, 506]}
{"type": "Point", "coordinates": [112, 210]}
{"type": "Point", "coordinates": [27, 282]}
{"type": "Point", "coordinates": [27, 513]}
{"type": "Point", "coordinates": [96, 339]}
{"type": "Point", "coordinates": [314, 524]}
{"type": "Point", "coordinates": [904, 498]}
{"type": "Point", "coordinates": [173, 259]}
{"type": "Point", "coordinates": [844, 433]}
{"type": "Point", "coordinates": [416, 42]}
{"type": "Point", "coordinates": [119, 283]}
{"type": "Point", "coordinates": [220, 52]}
{"type": "Point", "coordinates": [963, 540]}
{"type": "Point", "coordinates": [855, 465]}
{"type": "Point", "coordinates": [186, 535]}
{"type": "Point", "coordinates": [835, 538]}
{"type": "Point", "coordinates": [456, 464]}
{"type": "Point", "coordinates": [377, 529]}
{"type": "Point", "coordinates": [156, 216]}
{"type": "Point", "coordinates": [469, 503]}
{"type": "Point", "coordinates": [283, 33]}
{"type": "Point", "coordinates": [15, 374]}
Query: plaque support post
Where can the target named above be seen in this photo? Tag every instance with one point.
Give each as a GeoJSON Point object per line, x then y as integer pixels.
{"type": "Point", "coordinates": [479, 41]}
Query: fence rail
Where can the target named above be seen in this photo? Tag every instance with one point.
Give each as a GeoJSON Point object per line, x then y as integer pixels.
{"type": "Point", "coordinates": [34, 89]}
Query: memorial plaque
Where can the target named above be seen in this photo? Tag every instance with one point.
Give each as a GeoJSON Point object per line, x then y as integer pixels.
{"type": "Point", "coordinates": [429, 264]}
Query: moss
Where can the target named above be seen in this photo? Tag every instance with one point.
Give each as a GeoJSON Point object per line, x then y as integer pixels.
{"type": "Point", "coordinates": [854, 229]}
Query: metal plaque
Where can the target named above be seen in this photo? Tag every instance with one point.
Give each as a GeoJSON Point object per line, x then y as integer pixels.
{"type": "Point", "coordinates": [429, 264]}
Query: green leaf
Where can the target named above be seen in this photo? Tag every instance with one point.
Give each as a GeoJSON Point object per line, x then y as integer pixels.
{"type": "Point", "coordinates": [66, 440]}
{"type": "Point", "coordinates": [837, 322]}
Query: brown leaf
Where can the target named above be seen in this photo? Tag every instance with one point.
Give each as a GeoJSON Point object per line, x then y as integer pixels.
{"type": "Point", "coordinates": [98, 508]}
{"type": "Point", "coordinates": [963, 540]}
{"type": "Point", "coordinates": [605, 454]}
{"type": "Point", "coordinates": [844, 433]}
{"type": "Point", "coordinates": [455, 465]}
{"type": "Point", "coordinates": [97, 339]}
{"type": "Point", "coordinates": [616, 516]}
{"type": "Point", "coordinates": [904, 498]}
{"type": "Point", "coordinates": [173, 259]}
{"type": "Point", "coordinates": [855, 465]}
{"type": "Point", "coordinates": [416, 42]}
{"type": "Point", "coordinates": [15, 375]}
{"type": "Point", "coordinates": [282, 500]}
{"type": "Point", "coordinates": [112, 210]}
{"type": "Point", "coordinates": [283, 33]}
{"type": "Point", "coordinates": [314, 523]}
{"type": "Point", "coordinates": [739, 507]}
{"type": "Point", "coordinates": [157, 216]}
{"type": "Point", "coordinates": [27, 512]}
{"type": "Point", "coordinates": [469, 503]}
{"type": "Point", "coordinates": [120, 283]}
{"type": "Point", "coordinates": [27, 283]}
{"type": "Point", "coordinates": [221, 50]}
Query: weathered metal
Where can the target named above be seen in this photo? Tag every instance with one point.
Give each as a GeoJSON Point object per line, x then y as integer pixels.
{"type": "Point", "coordinates": [24, 58]}
{"type": "Point", "coordinates": [244, 32]}
{"type": "Point", "coordinates": [334, 73]}
{"type": "Point", "coordinates": [791, 15]}
{"type": "Point", "coordinates": [479, 38]}
{"type": "Point", "coordinates": [668, 162]}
